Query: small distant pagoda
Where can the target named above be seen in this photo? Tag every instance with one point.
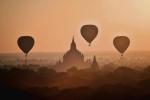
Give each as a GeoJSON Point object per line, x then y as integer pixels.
{"type": "Point", "coordinates": [94, 65]}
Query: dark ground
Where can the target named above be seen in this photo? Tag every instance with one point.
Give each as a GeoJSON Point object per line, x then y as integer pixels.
{"type": "Point", "coordinates": [46, 84]}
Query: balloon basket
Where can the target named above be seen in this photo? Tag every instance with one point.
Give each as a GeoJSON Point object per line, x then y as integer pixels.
{"type": "Point", "coordinates": [89, 45]}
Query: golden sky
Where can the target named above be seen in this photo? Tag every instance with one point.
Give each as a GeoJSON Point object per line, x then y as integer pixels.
{"type": "Point", "coordinates": [53, 23]}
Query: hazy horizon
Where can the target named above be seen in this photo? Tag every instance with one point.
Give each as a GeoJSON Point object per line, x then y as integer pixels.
{"type": "Point", "coordinates": [131, 59]}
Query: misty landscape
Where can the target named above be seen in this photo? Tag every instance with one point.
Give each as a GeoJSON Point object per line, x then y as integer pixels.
{"type": "Point", "coordinates": [133, 59]}
{"type": "Point", "coordinates": [74, 75]}
{"type": "Point", "coordinates": [74, 50]}
{"type": "Point", "coordinates": [122, 78]}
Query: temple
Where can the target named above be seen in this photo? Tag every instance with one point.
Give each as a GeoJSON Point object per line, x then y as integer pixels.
{"type": "Point", "coordinates": [94, 65]}
{"type": "Point", "coordinates": [74, 58]}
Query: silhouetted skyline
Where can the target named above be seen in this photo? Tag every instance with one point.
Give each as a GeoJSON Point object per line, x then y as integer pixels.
{"type": "Point", "coordinates": [74, 49]}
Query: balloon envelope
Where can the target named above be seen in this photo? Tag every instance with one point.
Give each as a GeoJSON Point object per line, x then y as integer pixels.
{"type": "Point", "coordinates": [121, 43]}
{"type": "Point", "coordinates": [89, 32]}
{"type": "Point", "coordinates": [25, 43]}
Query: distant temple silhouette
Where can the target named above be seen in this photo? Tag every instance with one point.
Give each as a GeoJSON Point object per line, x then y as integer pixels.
{"type": "Point", "coordinates": [74, 58]}
{"type": "Point", "coordinates": [94, 65]}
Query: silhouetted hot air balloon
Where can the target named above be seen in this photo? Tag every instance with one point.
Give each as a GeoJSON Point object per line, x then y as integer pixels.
{"type": "Point", "coordinates": [25, 43]}
{"type": "Point", "coordinates": [89, 32]}
{"type": "Point", "coordinates": [121, 43]}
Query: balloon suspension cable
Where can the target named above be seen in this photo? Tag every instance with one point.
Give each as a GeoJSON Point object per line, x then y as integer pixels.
{"type": "Point", "coordinates": [26, 55]}
{"type": "Point", "coordinates": [122, 60]}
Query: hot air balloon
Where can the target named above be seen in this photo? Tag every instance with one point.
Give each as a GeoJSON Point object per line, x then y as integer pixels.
{"type": "Point", "coordinates": [25, 43]}
{"type": "Point", "coordinates": [121, 43]}
{"type": "Point", "coordinates": [89, 32]}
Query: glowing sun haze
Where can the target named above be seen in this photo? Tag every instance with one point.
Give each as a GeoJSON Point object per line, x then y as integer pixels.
{"type": "Point", "coordinates": [54, 22]}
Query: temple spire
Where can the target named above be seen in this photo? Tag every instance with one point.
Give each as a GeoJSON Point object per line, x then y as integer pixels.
{"type": "Point", "coordinates": [73, 44]}
{"type": "Point", "coordinates": [95, 65]}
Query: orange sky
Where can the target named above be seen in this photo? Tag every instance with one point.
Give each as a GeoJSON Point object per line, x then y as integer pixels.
{"type": "Point", "coordinates": [53, 23]}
